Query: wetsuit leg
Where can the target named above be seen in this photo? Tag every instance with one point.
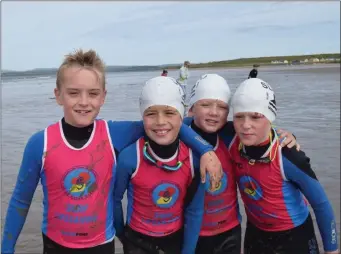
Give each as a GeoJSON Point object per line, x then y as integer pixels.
{"type": "Point", "coordinates": [51, 247]}
{"type": "Point", "coordinates": [254, 241]}
{"type": "Point", "coordinates": [226, 242]}
{"type": "Point", "coordinates": [136, 243]}
{"type": "Point", "coordinates": [172, 244]}
{"type": "Point", "coordinates": [299, 240]}
{"type": "Point", "coordinates": [133, 243]}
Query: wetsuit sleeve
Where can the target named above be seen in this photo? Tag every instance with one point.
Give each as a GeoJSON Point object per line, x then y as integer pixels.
{"type": "Point", "coordinates": [124, 133]}
{"type": "Point", "coordinates": [126, 166]}
{"type": "Point", "coordinates": [27, 181]}
{"type": "Point", "coordinates": [194, 140]}
{"type": "Point", "coordinates": [227, 132]}
{"type": "Point", "coordinates": [188, 120]}
{"type": "Point", "coordinates": [296, 166]}
{"type": "Point", "coordinates": [250, 74]}
{"type": "Point", "coordinates": [194, 211]}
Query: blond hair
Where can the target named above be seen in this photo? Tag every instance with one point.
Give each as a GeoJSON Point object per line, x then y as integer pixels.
{"type": "Point", "coordinates": [84, 59]}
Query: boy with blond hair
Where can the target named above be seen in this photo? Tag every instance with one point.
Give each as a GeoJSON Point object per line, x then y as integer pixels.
{"type": "Point", "coordinates": [75, 160]}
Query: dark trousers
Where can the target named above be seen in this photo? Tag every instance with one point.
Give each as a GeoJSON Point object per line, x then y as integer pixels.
{"type": "Point", "coordinates": [228, 242]}
{"type": "Point", "coordinates": [137, 243]}
{"type": "Point", "coordinates": [51, 247]}
{"type": "Point", "coordinates": [299, 240]}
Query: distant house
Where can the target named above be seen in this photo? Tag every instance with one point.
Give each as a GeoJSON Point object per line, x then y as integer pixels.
{"type": "Point", "coordinates": [306, 60]}
{"type": "Point", "coordinates": [285, 62]}
{"type": "Point", "coordinates": [316, 60]}
{"type": "Point", "coordinates": [322, 60]}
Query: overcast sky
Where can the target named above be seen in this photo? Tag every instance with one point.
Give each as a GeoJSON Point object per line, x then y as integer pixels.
{"type": "Point", "coordinates": [38, 34]}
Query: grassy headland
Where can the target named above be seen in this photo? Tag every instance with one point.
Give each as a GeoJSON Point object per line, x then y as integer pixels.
{"type": "Point", "coordinates": [295, 59]}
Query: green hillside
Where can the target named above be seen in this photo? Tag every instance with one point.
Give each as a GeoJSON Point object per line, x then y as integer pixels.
{"type": "Point", "coordinates": [262, 60]}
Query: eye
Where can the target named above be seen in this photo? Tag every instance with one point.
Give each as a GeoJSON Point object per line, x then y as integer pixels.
{"type": "Point", "coordinates": [256, 117]}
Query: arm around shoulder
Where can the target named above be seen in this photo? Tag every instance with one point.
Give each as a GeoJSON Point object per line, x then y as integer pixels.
{"type": "Point", "coordinates": [124, 133]}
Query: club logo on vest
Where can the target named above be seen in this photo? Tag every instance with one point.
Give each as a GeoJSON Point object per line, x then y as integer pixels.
{"type": "Point", "coordinates": [165, 195]}
{"type": "Point", "coordinates": [79, 182]}
{"type": "Point", "coordinates": [219, 188]}
{"type": "Point", "coordinates": [250, 187]}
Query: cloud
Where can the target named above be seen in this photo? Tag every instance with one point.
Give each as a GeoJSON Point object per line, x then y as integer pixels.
{"type": "Point", "coordinates": [127, 33]}
{"type": "Point", "coordinates": [273, 28]}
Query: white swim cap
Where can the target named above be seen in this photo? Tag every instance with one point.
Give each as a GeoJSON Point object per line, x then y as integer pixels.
{"type": "Point", "coordinates": [210, 86]}
{"type": "Point", "coordinates": [162, 91]}
{"type": "Point", "coordinates": [255, 95]}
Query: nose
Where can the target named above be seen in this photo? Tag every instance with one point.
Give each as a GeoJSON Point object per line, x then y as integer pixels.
{"type": "Point", "coordinates": [160, 119]}
{"type": "Point", "coordinates": [246, 124]}
{"type": "Point", "coordinates": [84, 99]}
{"type": "Point", "coordinates": [213, 110]}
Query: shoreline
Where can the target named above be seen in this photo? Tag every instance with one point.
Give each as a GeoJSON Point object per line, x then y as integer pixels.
{"type": "Point", "coordinates": [263, 67]}
{"type": "Point", "coordinates": [313, 65]}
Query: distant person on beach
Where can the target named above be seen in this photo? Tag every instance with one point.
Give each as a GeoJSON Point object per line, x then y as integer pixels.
{"type": "Point", "coordinates": [164, 73]}
{"type": "Point", "coordinates": [74, 158]}
{"type": "Point", "coordinates": [254, 72]}
{"type": "Point", "coordinates": [277, 184]}
{"type": "Point", "coordinates": [183, 76]}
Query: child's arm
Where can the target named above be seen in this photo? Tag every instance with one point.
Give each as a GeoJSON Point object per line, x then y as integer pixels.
{"type": "Point", "coordinates": [27, 181]}
{"type": "Point", "coordinates": [126, 166]}
{"type": "Point", "coordinates": [194, 211]}
{"type": "Point", "coordinates": [297, 169]}
{"type": "Point", "coordinates": [124, 133]}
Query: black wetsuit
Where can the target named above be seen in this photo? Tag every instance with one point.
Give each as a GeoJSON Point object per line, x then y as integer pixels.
{"type": "Point", "coordinates": [253, 73]}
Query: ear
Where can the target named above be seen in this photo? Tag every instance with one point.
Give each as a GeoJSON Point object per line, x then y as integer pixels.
{"type": "Point", "coordinates": [58, 96]}
{"type": "Point", "coordinates": [104, 96]}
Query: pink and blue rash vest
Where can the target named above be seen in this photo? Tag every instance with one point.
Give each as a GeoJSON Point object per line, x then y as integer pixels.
{"type": "Point", "coordinates": [221, 204]}
{"type": "Point", "coordinates": [78, 183]}
{"type": "Point", "coordinates": [157, 195]}
{"type": "Point", "coordinates": [157, 203]}
{"type": "Point", "coordinates": [35, 167]}
{"type": "Point", "coordinates": [273, 192]}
